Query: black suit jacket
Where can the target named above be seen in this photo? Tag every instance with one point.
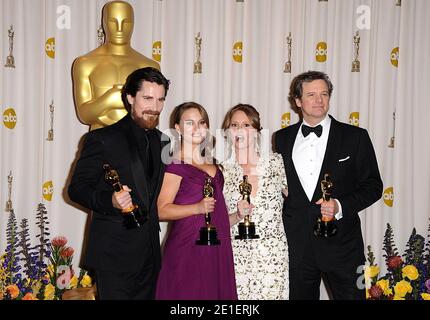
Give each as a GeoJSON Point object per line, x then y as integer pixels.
{"type": "Point", "coordinates": [111, 247]}
{"type": "Point", "coordinates": [357, 185]}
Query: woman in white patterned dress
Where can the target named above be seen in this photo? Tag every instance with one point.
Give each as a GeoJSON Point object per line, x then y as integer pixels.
{"type": "Point", "coordinates": [261, 265]}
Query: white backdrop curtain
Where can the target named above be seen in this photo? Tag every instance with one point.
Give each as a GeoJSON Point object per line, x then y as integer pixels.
{"type": "Point", "coordinates": [368, 98]}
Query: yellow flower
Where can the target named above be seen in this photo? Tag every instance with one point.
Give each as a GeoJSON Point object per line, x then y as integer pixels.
{"type": "Point", "coordinates": [49, 292]}
{"type": "Point", "coordinates": [410, 272]}
{"type": "Point", "coordinates": [402, 288]}
{"type": "Point", "coordinates": [371, 272]}
{"type": "Point", "coordinates": [425, 296]}
{"type": "Point", "coordinates": [50, 270]}
{"type": "Point", "coordinates": [86, 281]}
{"type": "Point", "coordinates": [385, 286]}
{"type": "Point", "coordinates": [398, 298]}
{"type": "Point", "coordinates": [73, 283]}
{"type": "Point", "coordinates": [36, 287]}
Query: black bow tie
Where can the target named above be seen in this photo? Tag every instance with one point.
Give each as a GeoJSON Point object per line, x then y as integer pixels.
{"type": "Point", "coordinates": [317, 130]}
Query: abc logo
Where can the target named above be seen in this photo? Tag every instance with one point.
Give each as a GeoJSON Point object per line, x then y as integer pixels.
{"type": "Point", "coordinates": [48, 190]}
{"type": "Point", "coordinates": [237, 51]}
{"type": "Point", "coordinates": [388, 196]}
{"type": "Point", "coordinates": [354, 119]}
{"type": "Point", "coordinates": [9, 118]}
{"type": "Point", "coordinates": [321, 52]}
{"type": "Point", "coordinates": [156, 51]}
{"type": "Point", "coordinates": [286, 117]}
{"type": "Point", "coordinates": [50, 48]}
{"type": "Point", "coordinates": [395, 57]}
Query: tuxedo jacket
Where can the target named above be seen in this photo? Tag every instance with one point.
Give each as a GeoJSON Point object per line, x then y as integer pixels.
{"type": "Point", "coordinates": [110, 246]}
{"type": "Point", "coordinates": [350, 161]}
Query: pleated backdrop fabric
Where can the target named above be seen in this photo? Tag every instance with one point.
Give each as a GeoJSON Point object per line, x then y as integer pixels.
{"type": "Point", "coordinates": [243, 53]}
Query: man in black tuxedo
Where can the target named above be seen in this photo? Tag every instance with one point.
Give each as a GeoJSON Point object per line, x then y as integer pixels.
{"type": "Point", "coordinates": [311, 148]}
{"type": "Point", "coordinates": [126, 261]}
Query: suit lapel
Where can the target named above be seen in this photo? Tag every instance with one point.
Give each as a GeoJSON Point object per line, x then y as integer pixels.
{"type": "Point", "coordinates": [137, 170]}
{"type": "Point", "coordinates": [330, 156]}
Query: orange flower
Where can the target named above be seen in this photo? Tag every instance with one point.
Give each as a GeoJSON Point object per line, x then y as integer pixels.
{"type": "Point", "coordinates": [29, 296]}
{"type": "Point", "coordinates": [13, 291]}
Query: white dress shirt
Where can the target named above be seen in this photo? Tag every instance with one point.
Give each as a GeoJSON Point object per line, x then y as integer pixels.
{"type": "Point", "coordinates": [308, 156]}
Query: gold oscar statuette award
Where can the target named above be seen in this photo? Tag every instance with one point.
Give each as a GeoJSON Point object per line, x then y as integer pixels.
{"type": "Point", "coordinates": [287, 68]}
{"type": "Point", "coordinates": [133, 217]}
{"type": "Point", "coordinates": [198, 64]}
{"type": "Point", "coordinates": [391, 145]}
{"type": "Point", "coordinates": [9, 207]}
{"type": "Point", "coordinates": [356, 62]}
{"type": "Point", "coordinates": [246, 228]}
{"type": "Point", "coordinates": [325, 227]}
{"type": "Point", "coordinates": [208, 233]}
{"type": "Point", "coordinates": [10, 60]}
{"type": "Point", "coordinates": [51, 130]}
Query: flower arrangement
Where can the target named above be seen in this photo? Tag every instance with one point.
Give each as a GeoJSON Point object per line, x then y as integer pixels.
{"type": "Point", "coordinates": [40, 272]}
{"type": "Point", "coordinates": [407, 277]}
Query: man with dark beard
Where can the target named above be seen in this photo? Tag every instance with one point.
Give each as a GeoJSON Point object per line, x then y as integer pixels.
{"type": "Point", "coordinates": [125, 260]}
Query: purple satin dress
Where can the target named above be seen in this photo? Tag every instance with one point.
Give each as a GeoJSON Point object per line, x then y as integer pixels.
{"type": "Point", "coordinates": [190, 271]}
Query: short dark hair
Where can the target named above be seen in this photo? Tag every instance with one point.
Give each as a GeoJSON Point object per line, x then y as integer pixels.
{"type": "Point", "coordinates": [135, 79]}
{"type": "Point", "coordinates": [296, 87]}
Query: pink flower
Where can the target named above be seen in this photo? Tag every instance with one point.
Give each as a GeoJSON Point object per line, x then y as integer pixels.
{"type": "Point", "coordinates": [394, 262]}
{"type": "Point", "coordinates": [59, 242]}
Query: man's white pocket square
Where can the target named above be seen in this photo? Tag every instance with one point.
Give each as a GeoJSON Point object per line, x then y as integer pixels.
{"type": "Point", "coordinates": [344, 159]}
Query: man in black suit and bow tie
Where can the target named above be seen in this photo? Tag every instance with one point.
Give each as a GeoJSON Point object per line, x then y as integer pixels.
{"type": "Point", "coordinates": [316, 146]}
{"type": "Point", "coordinates": [125, 258]}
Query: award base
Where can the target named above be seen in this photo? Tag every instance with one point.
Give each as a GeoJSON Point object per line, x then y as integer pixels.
{"type": "Point", "coordinates": [355, 66]}
{"type": "Point", "coordinates": [246, 231]}
{"type": "Point", "coordinates": [325, 229]}
{"type": "Point", "coordinates": [134, 219]}
{"type": "Point", "coordinates": [208, 237]}
{"type": "Point", "coordinates": [287, 67]}
{"type": "Point", "coordinates": [10, 62]}
{"type": "Point", "coordinates": [8, 206]}
{"type": "Point", "coordinates": [198, 67]}
{"type": "Point", "coordinates": [50, 135]}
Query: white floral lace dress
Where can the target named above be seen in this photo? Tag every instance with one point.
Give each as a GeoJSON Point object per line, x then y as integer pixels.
{"type": "Point", "coordinates": [261, 265]}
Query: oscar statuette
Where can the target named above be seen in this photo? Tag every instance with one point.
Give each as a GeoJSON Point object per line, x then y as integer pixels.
{"type": "Point", "coordinates": [287, 67]}
{"type": "Point", "coordinates": [356, 62]}
{"type": "Point", "coordinates": [198, 63]}
{"type": "Point", "coordinates": [325, 227]}
{"type": "Point", "coordinates": [246, 228]}
{"type": "Point", "coordinates": [133, 217]}
{"type": "Point", "coordinates": [208, 233]}
{"type": "Point", "coordinates": [10, 59]}
{"type": "Point", "coordinates": [9, 207]}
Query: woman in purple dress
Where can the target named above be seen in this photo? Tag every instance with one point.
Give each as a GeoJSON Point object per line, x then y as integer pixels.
{"type": "Point", "coordinates": [190, 271]}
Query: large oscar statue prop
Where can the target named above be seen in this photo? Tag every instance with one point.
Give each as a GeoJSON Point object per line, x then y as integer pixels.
{"type": "Point", "coordinates": [99, 75]}
{"type": "Point", "coordinates": [246, 228]}
{"type": "Point", "coordinates": [325, 227]}
{"type": "Point", "coordinates": [134, 217]}
{"type": "Point", "coordinates": [208, 233]}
